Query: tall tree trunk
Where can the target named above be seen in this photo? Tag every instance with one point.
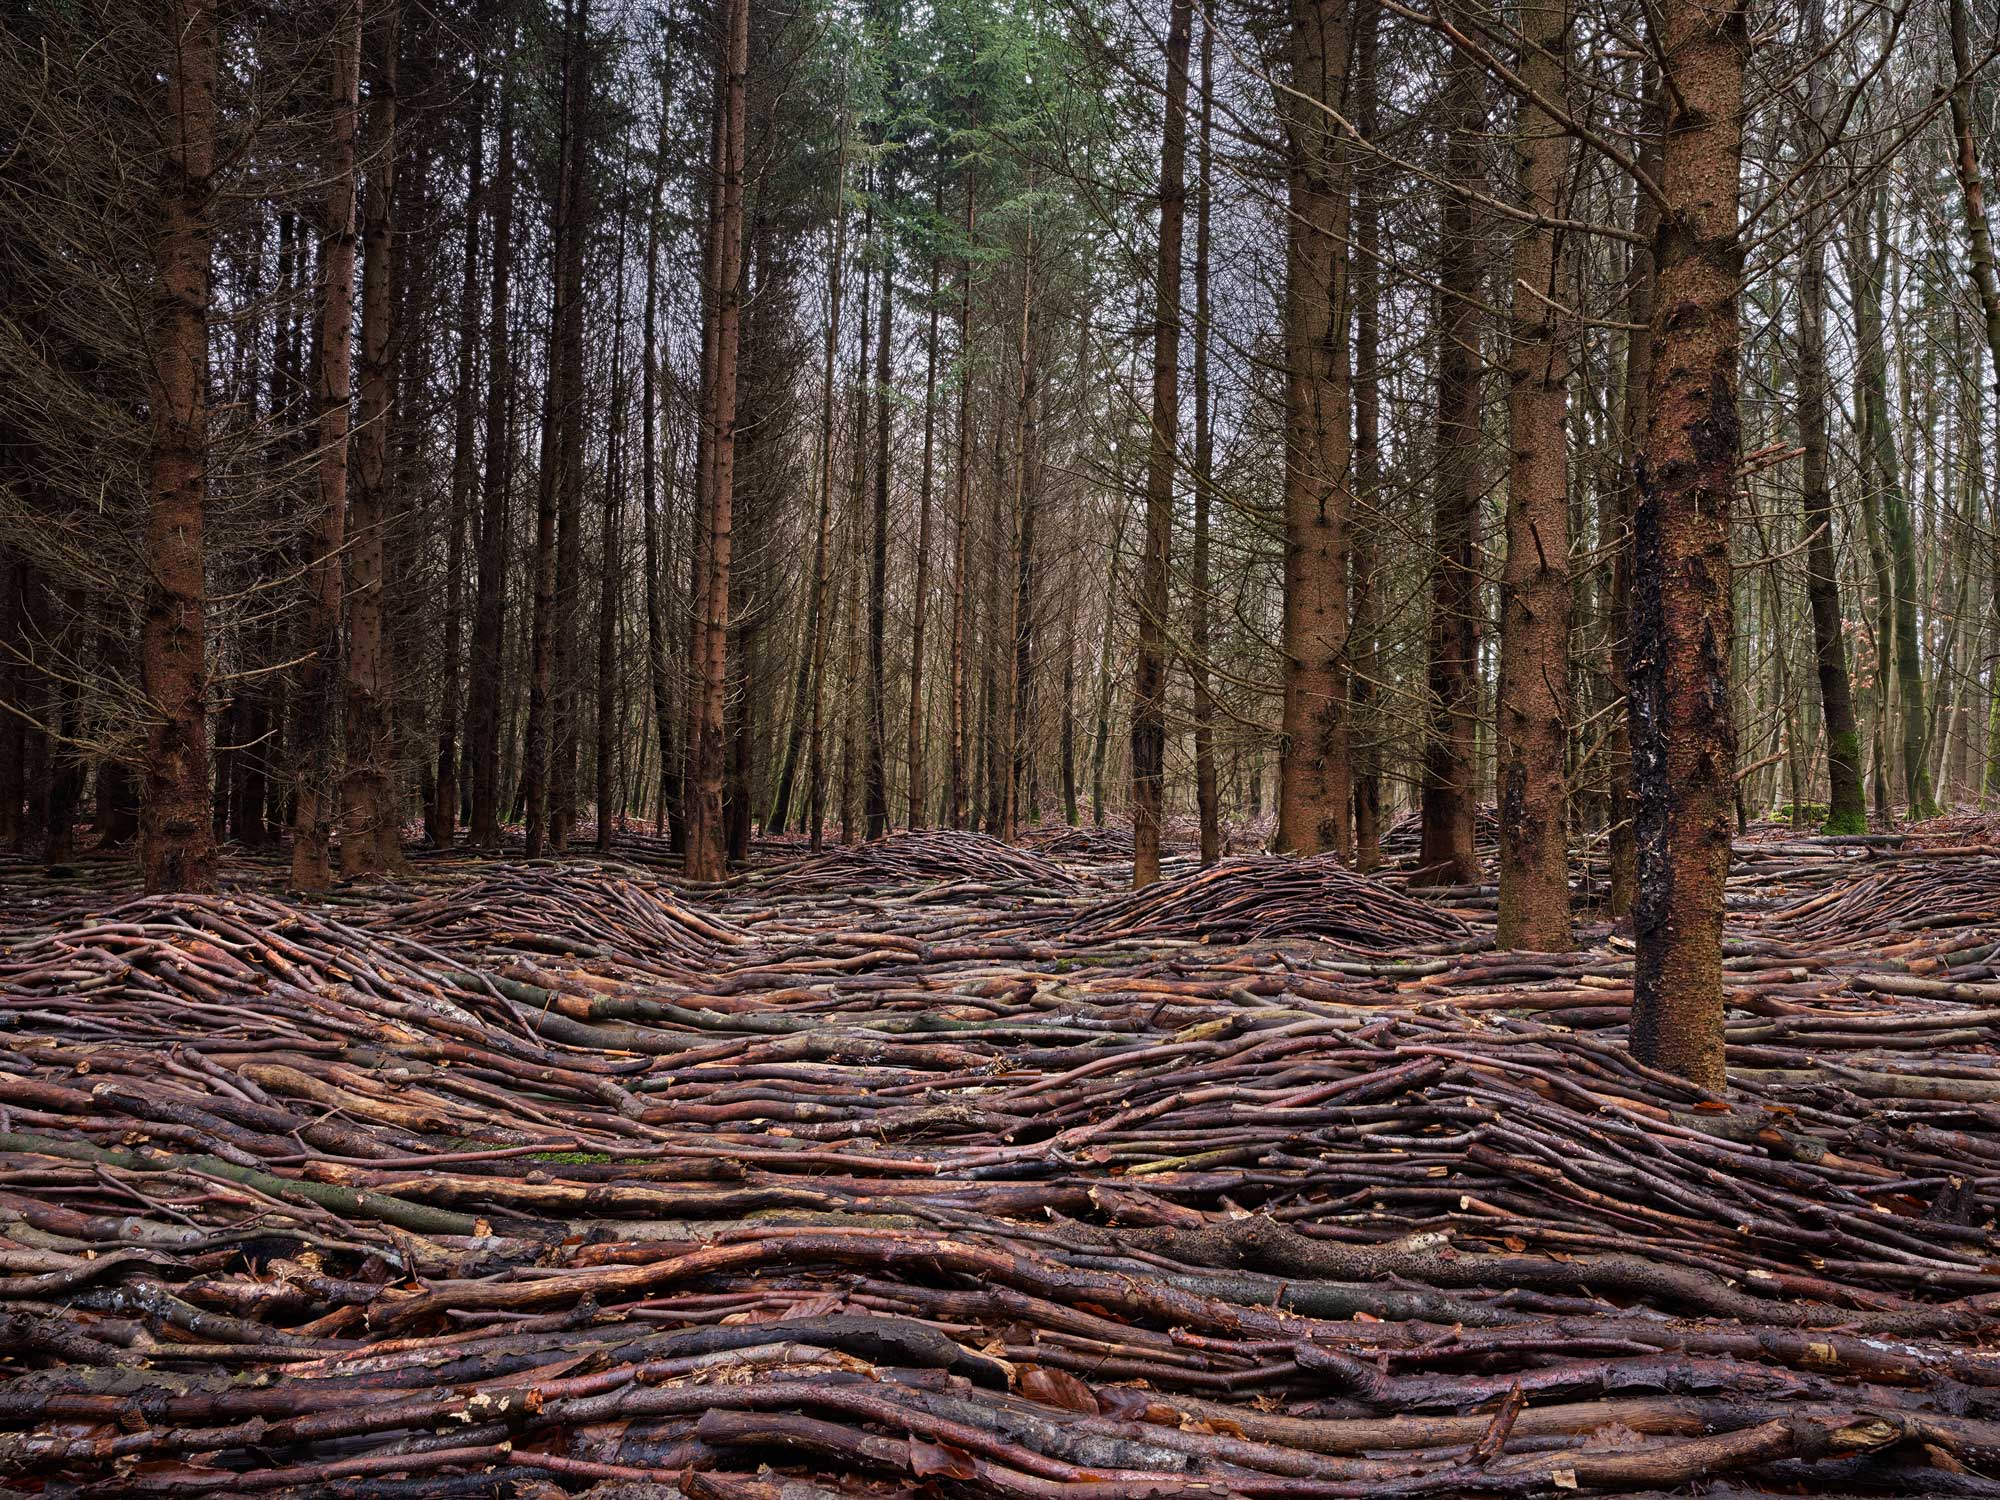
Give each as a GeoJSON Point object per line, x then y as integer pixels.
{"type": "Point", "coordinates": [489, 609]}
{"type": "Point", "coordinates": [1683, 733]}
{"type": "Point", "coordinates": [1100, 746]}
{"type": "Point", "coordinates": [538, 739]}
{"type": "Point", "coordinates": [706, 769]}
{"type": "Point", "coordinates": [877, 772]}
{"type": "Point", "coordinates": [806, 701]}
{"type": "Point", "coordinates": [1898, 526]}
{"type": "Point", "coordinates": [1847, 804]}
{"type": "Point", "coordinates": [961, 599]}
{"type": "Point", "coordinates": [566, 689]}
{"type": "Point", "coordinates": [319, 653]}
{"type": "Point", "coordinates": [920, 606]}
{"type": "Point", "coordinates": [611, 572]}
{"type": "Point", "coordinates": [816, 756]}
{"type": "Point", "coordinates": [1615, 538]}
{"type": "Point", "coordinates": [1447, 855]}
{"type": "Point", "coordinates": [1149, 680]}
{"type": "Point", "coordinates": [653, 501]}
{"type": "Point", "coordinates": [1027, 508]}
{"type": "Point", "coordinates": [176, 833]}
{"type": "Point", "coordinates": [371, 826]}
{"type": "Point", "coordinates": [1314, 812]}
{"type": "Point", "coordinates": [443, 810]}
{"type": "Point", "coordinates": [1365, 282]}
{"type": "Point", "coordinates": [1986, 284]}
{"type": "Point", "coordinates": [1533, 706]}
{"type": "Point", "coordinates": [1208, 801]}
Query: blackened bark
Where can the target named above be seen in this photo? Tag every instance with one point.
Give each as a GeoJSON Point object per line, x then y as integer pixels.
{"type": "Point", "coordinates": [1683, 732]}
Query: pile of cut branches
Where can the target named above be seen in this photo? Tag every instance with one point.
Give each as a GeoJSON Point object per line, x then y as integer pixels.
{"type": "Point", "coordinates": [392, 1204]}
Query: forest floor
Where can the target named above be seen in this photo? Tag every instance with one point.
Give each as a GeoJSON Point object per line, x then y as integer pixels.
{"type": "Point", "coordinates": [941, 1166]}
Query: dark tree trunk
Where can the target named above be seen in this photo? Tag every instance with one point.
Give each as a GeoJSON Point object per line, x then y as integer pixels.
{"type": "Point", "coordinates": [1683, 733]}
{"type": "Point", "coordinates": [1208, 802]}
{"type": "Point", "coordinates": [371, 825]}
{"type": "Point", "coordinates": [443, 806]}
{"type": "Point", "coordinates": [1532, 709]}
{"type": "Point", "coordinates": [1447, 855]}
{"type": "Point", "coordinates": [1314, 799]}
{"type": "Point", "coordinates": [1149, 679]}
{"type": "Point", "coordinates": [489, 610]}
{"type": "Point", "coordinates": [706, 769]}
{"type": "Point", "coordinates": [176, 834]}
{"type": "Point", "coordinates": [319, 646]}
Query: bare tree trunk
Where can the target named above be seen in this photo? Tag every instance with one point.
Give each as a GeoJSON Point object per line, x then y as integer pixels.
{"type": "Point", "coordinates": [1683, 733]}
{"type": "Point", "coordinates": [565, 689]}
{"type": "Point", "coordinates": [371, 830]}
{"type": "Point", "coordinates": [489, 610]}
{"type": "Point", "coordinates": [1616, 515]}
{"type": "Point", "coordinates": [920, 609]}
{"type": "Point", "coordinates": [1847, 803]}
{"type": "Point", "coordinates": [806, 700]}
{"type": "Point", "coordinates": [1898, 528]}
{"type": "Point", "coordinates": [443, 809]}
{"type": "Point", "coordinates": [1985, 277]}
{"type": "Point", "coordinates": [1532, 717]}
{"type": "Point", "coordinates": [176, 832]}
{"type": "Point", "coordinates": [1365, 282]}
{"type": "Point", "coordinates": [1448, 855]}
{"type": "Point", "coordinates": [1149, 681]}
{"type": "Point", "coordinates": [1208, 802]}
{"type": "Point", "coordinates": [611, 571]}
{"type": "Point", "coordinates": [652, 500]}
{"type": "Point", "coordinates": [876, 779]}
{"type": "Point", "coordinates": [1027, 506]}
{"type": "Point", "coordinates": [319, 654]}
{"type": "Point", "coordinates": [1314, 811]}
{"type": "Point", "coordinates": [961, 603]}
{"type": "Point", "coordinates": [705, 848]}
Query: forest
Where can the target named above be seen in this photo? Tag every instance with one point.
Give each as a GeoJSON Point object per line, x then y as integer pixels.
{"type": "Point", "coordinates": [1015, 749]}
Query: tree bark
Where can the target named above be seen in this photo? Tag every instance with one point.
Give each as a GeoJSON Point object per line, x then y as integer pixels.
{"type": "Point", "coordinates": [919, 786]}
{"type": "Point", "coordinates": [1985, 281]}
{"type": "Point", "coordinates": [566, 688]}
{"type": "Point", "coordinates": [1447, 855]}
{"type": "Point", "coordinates": [176, 830]}
{"type": "Point", "coordinates": [807, 707]}
{"type": "Point", "coordinates": [1533, 706]}
{"type": "Point", "coordinates": [706, 855]}
{"type": "Point", "coordinates": [371, 828]}
{"type": "Point", "coordinates": [1847, 803]}
{"type": "Point", "coordinates": [1314, 812]}
{"type": "Point", "coordinates": [319, 646]}
{"type": "Point", "coordinates": [1149, 680]}
{"type": "Point", "coordinates": [1641, 287]}
{"type": "Point", "coordinates": [1365, 282]}
{"type": "Point", "coordinates": [443, 809]}
{"type": "Point", "coordinates": [1683, 732]}
{"type": "Point", "coordinates": [876, 789]}
{"type": "Point", "coordinates": [1208, 801]}
{"type": "Point", "coordinates": [961, 604]}
{"type": "Point", "coordinates": [489, 609]}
